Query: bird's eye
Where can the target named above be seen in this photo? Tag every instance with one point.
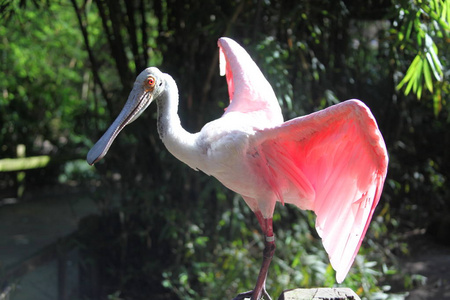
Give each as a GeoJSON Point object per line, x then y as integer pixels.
{"type": "Point", "coordinates": [151, 81]}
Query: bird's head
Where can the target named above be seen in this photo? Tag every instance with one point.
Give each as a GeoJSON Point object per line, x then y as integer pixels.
{"type": "Point", "coordinates": [148, 86]}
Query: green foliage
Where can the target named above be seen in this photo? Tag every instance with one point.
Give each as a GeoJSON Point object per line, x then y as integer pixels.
{"type": "Point", "coordinates": [41, 79]}
{"type": "Point", "coordinates": [67, 67]}
{"type": "Point", "coordinates": [228, 267]}
{"type": "Point", "coordinates": [423, 22]}
{"type": "Point", "coordinates": [75, 171]}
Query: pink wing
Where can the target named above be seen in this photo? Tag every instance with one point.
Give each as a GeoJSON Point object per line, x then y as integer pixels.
{"type": "Point", "coordinates": [334, 162]}
{"type": "Point", "coordinates": [248, 89]}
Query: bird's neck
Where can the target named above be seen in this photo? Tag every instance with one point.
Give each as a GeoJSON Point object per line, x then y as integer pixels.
{"type": "Point", "coordinates": [177, 140]}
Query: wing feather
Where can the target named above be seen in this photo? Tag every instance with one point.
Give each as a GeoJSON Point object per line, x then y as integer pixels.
{"type": "Point", "coordinates": [248, 89]}
{"type": "Point", "coordinates": [333, 162]}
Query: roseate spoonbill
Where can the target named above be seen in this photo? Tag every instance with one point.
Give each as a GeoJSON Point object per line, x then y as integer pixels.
{"type": "Point", "coordinates": [333, 161]}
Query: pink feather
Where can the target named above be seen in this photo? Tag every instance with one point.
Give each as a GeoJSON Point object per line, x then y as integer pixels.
{"type": "Point", "coordinates": [333, 162]}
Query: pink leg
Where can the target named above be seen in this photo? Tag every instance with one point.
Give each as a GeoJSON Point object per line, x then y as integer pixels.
{"type": "Point", "coordinates": [269, 249]}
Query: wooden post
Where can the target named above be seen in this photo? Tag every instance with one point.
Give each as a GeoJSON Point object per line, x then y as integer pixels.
{"type": "Point", "coordinates": [319, 294]}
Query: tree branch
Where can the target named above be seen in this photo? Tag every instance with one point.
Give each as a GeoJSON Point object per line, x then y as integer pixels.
{"type": "Point", "coordinates": [93, 61]}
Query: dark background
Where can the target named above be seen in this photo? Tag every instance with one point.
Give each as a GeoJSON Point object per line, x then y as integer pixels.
{"type": "Point", "coordinates": [165, 230]}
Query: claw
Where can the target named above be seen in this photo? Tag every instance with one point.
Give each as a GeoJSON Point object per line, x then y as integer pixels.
{"type": "Point", "coordinates": [266, 295]}
{"type": "Point", "coordinates": [242, 296]}
{"type": "Point", "coordinates": [249, 295]}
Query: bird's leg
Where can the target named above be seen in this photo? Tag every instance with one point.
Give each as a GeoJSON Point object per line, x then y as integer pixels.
{"type": "Point", "coordinates": [260, 288]}
{"type": "Point", "coordinates": [269, 249]}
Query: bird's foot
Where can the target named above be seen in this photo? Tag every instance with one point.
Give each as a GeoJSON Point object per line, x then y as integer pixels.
{"type": "Point", "coordinates": [243, 296]}
{"type": "Point", "coordinates": [249, 295]}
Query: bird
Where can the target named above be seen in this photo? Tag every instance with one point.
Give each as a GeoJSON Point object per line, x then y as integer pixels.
{"type": "Point", "coordinates": [333, 161]}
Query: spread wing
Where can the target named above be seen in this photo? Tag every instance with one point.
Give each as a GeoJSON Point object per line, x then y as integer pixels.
{"type": "Point", "coordinates": [334, 162]}
{"type": "Point", "coordinates": [248, 89]}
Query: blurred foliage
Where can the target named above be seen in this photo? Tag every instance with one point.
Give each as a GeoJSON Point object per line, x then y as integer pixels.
{"type": "Point", "coordinates": [67, 67]}
{"type": "Point", "coordinates": [41, 78]}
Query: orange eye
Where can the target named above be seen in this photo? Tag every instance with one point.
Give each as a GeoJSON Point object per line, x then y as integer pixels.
{"type": "Point", "coordinates": [151, 81]}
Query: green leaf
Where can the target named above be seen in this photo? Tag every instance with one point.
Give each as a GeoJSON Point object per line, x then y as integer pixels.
{"type": "Point", "coordinates": [419, 87]}
{"type": "Point", "coordinates": [447, 12]}
{"type": "Point", "coordinates": [419, 40]}
{"type": "Point", "coordinates": [408, 31]}
{"type": "Point", "coordinates": [427, 75]}
{"type": "Point", "coordinates": [437, 103]}
{"type": "Point", "coordinates": [409, 73]}
{"type": "Point", "coordinates": [433, 67]}
{"type": "Point", "coordinates": [415, 71]}
{"type": "Point", "coordinates": [408, 87]}
{"type": "Point", "coordinates": [436, 62]}
{"type": "Point", "coordinates": [417, 80]}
